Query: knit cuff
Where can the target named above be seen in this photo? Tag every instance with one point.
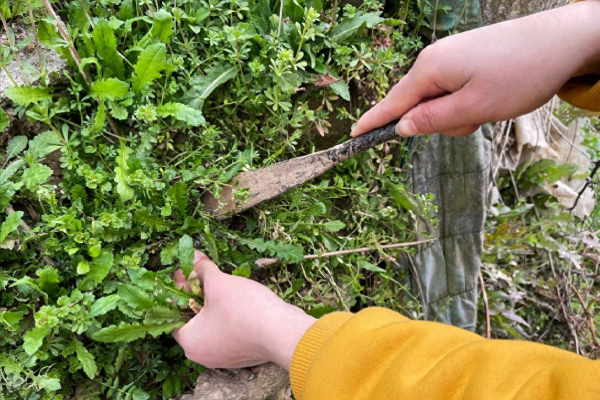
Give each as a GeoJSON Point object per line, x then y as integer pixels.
{"type": "Point", "coordinates": [309, 345]}
{"type": "Point", "coordinates": [582, 92]}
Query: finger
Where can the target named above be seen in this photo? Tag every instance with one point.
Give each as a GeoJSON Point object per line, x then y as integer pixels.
{"type": "Point", "coordinates": [449, 113]}
{"type": "Point", "coordinates": [410, 91]}
{"type": "Point", "coordinates": [462, 131]}
{"type": "Point", "coordinates": [201, 264]}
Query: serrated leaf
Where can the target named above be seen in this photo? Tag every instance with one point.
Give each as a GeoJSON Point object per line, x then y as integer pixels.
{"type": "Point", "coordinates": [36, 175]}
{"type": "Point", "coordinates": [121, 172]}
{"type": "Point", "coordinates": [105, 43]}
{"type": "Point", "coordinates": [99, 119]}
{"type": "Point", "coordinates": [16, 145]}
{"type": "Point", "coordinates": [129, 333]}
{"type": "Point", "coordinates": [11, 318]}
{"type": "Point", "coordinates": [334, 226]}
{"type": "Point", "coordinates": [12, 222]}
{"type": "Point", "coordinates": [34, 338]}
{"type": "Point", "coordinates": [346, 28]}
{"type": "Point", "coordinates": [10, 170]}
{"type": "Point", "coordinates": [288, 82]}
{"type": "Point", "coordinates": [186, 254]}
{"type": "Point", "coordinates": [25, 95]}
{"type": "Point", "coordinates": [118, 111]}
{"type": "Point", "coordinates": [204, 85]}
{"type": "Point", "coordinates": [162, 26]}
{"type": "Point", "coordinates": [283, 251]}
{"type": "Point", "coordinates": [184, 113]}
{"type": "Point", "coordinates": [342, 89]}
{"type": "Point", "coordinates": [44, 144]}
{"type": "Point", "coordinates": [109, 89]}
{"type": "Point", "coordinates": [85, 358]}
{"type": "Point", "coordinates": [99, 268]}
{"type": "Point", "coordinates": [143, 278]}
{"type": "Point", "coordinates": [4, 121]}
{"type": "Point", "coordinates": [104, 305]}
{"type": "Point", "coordinates": [151, 62]}
{"type": "Point", "coordinates": [135, 297]}
{"type": "Point", "coordinates": [169, 253]}
{"type": "Point", "coordinates": [179, 196]}
{"type": "Point", "coordinates": [161, 314]}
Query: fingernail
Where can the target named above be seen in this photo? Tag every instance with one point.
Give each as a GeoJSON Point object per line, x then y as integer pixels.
{"type": "Point", "coordinates": [406, 128]}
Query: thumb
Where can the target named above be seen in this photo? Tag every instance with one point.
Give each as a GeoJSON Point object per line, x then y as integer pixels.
{"type": "Point", "coordinates": [453, 114]}
{"type": "Point", "coordinates": [202, 265]}
{"type": "Point", "coordinates": [406, 94]}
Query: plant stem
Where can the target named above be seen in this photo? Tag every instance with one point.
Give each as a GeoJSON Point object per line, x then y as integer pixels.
{"type": "Point", "coordinates": [9, 75]}
{"type": "Point", "coordinates": [263, 262]}
{"type": "Point", "coordinates": [37, 41]}
{"type": "Point", "coordinates": [13, 48]}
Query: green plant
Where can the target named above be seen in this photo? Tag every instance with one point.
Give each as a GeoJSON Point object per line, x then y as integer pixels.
{"type": "Point", "coordinates": [164, 101]}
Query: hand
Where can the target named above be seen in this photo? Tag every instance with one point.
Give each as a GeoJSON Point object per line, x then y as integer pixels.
{"type": "Point", "coordinates": [242, 322]}
{"type": "Point", "coordinates": [491, 74]}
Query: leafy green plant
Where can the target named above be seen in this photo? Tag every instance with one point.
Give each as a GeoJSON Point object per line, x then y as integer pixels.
{"type": "Point", "coordinates": [163, 102]}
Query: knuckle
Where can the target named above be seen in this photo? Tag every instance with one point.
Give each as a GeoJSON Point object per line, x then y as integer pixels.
{"type": "Point", "coordinates": [428, 120]}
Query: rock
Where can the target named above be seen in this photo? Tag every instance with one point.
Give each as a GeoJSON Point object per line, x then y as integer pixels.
{"type": "Point", "coordinates": [54, 63]}
{"type": "Point", "coordinates": [54, 67]}
{"type": "Point", "coordinates": [263, 382]}
{"type": "Point", "coordinates": [494, 11]}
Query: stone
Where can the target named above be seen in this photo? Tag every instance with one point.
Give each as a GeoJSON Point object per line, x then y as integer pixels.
{"type": "Point", "coordinates": [263, 382]}
{"type": "Point", "coordinates": [54, 63]}
{"type": "Point", "coordinates": [494, 11]}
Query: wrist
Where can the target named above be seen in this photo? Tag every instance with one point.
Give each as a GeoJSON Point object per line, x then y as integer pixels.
{"type": "Point", "coordinates": [587, 39]}
{"type": "Point", "coordinates": [282, 333]}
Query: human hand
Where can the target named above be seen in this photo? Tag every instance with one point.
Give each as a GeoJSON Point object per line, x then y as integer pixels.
{"type": "Point", "coordinates": [242, 323]}
{"type": "Point", "coordinates": [491, 74]}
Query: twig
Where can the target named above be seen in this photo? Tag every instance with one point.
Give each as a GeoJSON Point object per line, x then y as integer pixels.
{"type": "Point", "coordinates": [263, 262]}
{"type": "Point", "coordinates": [65, 35]}
{"type": "Point", "coordinates": [562, 306]}
{"type": "Point", "coordinates": [413, 270]}
{"type": "Point", "coordinates": [13, 48]}
{"type": "Point", "coordinates": [589, 317]}
{"type": "Point", "coordinates": [488, 326]}
{"type": "Point", "coordinates": [35, 36]}
{"type": "Point", "coordinates": [588, 182]}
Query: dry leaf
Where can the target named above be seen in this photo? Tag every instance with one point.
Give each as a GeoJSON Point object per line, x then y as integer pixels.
{"type": "Point", "coordinates": [326, 80]}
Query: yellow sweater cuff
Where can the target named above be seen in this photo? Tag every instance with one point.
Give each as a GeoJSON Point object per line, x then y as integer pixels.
{"type": "Point", "coordinates": [582, 92]}
{"type": "Point", "coordinates": [309, 345]}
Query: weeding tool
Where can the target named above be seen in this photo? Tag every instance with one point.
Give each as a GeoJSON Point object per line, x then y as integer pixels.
{"type": "Point", "coordinates": [269, 182]}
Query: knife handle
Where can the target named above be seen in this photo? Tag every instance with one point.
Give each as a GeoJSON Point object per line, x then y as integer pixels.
{"type": "Point", "coordinates": [364, 142]}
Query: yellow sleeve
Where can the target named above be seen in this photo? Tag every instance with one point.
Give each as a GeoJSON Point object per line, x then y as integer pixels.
{"type": "Point", "coordinates": [378, 354]}
{"type": "Point", "coordinates": [582, 92]}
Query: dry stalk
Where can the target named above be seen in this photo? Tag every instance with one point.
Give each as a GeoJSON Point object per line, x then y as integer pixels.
{"type": "Point", "coordinates": [263, 262]}
{"type": "Point", "coordinates": [35, 37]}
{"type": "Point", "coordinates": [13, 47]}
{"type": "Point", "coordinates": [488, 325]}
{"type": "Point", "coordinates": [65, 35]}
{"type": "Point", "coordinates": [414, 272]}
